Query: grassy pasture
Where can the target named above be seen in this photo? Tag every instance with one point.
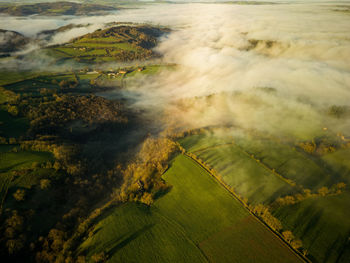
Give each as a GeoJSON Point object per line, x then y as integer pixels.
{"type": "Point", "coordinates": [148, 70]}
{"type": "Point", "coordinates": [15, 161]}
{"type": "Point", "coordinates": [323, 225]}
{"type": "Point", "coordinates": [96, 39]}
{"type": "Point", "coordinates": [289, 162]}
{"type": "Point", "coordinates": [340, 163]}
{"type": "Point", "coordinates": [29, 86]}
{"type": "Point", "coordinates": [92, 49]}
{"type": "Point", "coordinates": [230, 245]}
{"type": "Point", "coordinates": [182, 225]}
{"type": "Point", "coordinates": [200, 141]}
{"type": "Point", "coordinates": [245, 175]}
{"type": "Point", "coordinates": [10, 161]}
{"type": "Point", "coordinates": [95, 49]}
{"type": "Point", "coordinates": [285, 159]}
{"type": "Point", "coordinates": [320, 222]}
{"type": "Point", "coordinates": [5, 180]}
{"type": "Point", "coordinates": [7, 77]}
{"type": "Point", "coordinates": [11, 126]}
{"type": "Point", "coordinates": [98, 44]}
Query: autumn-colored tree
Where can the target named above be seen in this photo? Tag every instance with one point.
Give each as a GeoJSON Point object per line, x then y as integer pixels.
{"type": "Point", "coordinates": [323, 191]}
{"type": "Point", "coordinates": [99, 257]}
{"type": "Point", "coordinates": [19, 195]}
{"type": "Point", "coordinates": [288, 235]}
{"type": "Point", "coordinates": [45, 183]}
{"type": "Point", "coordinates": [14, 245]}
{"type": "Point", "coordinates": [296, 244]}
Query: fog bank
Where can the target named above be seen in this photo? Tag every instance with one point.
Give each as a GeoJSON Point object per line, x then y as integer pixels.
{"type": "Point", "coordinates": [276, 68]}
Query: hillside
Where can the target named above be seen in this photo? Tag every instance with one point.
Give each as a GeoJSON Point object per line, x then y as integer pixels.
{"type": "Point", "coordinates": [306, 190]}
{"type": "Point", "coordinates": [119, 43]}
{"type": "Point", "coordinates": [55, 9]}
{"type": "Point", "coordinates": [170, 230]}
{"type": "Point", "coordinates": [11, 41]}
{"type": "Point", "coordinates": [48, 34]}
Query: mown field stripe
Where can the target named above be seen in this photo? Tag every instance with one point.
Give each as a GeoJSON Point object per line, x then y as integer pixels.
{"type": "Point", "coordinates": [259, 162]}
{"type": "Point", "coordinates": [276, 234]}
{"type": "Point", "coordinates": [5, 187]}
{"type": "Point", "coordinates": [180, 228]}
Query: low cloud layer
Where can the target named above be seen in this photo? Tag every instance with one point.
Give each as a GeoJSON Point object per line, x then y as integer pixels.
{"type": "Point", "coordinates": [276, 68]}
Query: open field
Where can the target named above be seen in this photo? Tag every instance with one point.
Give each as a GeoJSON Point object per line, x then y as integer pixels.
{"type": "Point", "coordinates": [248, 164]}
{"type": "Point", "coordinates": [245, 236]}
{"type": "Point", "coordinates": [325, 226]}
{"type": "Point", "coordinates": [15, 162]}
{"type": "Point", "coordinates": [248, 177]}
{"type": "Point", "coordinates": [7, 77]}
{"type": "Point", "coordinates": [21, 160]}
{"type": "Point", "coordinates": [339, 161]}
{"type": "Point", "coordinates": [182, 225]}
{"type": "Point", "coordinates": [11, 126]}
{"type": "Point", "coordinates": [263, 156]}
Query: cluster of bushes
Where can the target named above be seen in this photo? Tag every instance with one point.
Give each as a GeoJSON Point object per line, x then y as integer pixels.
{"type": "Point", "coordinates": [323, 145]}
{"type": "Point", "coordinates": [337, 111]}
{"type": "Point", "coordinates": [13, 236]}
{"type": "Point", "coordinates": [294, 242]}
{"type": "Point", "coordinates": [323, 191]}
{"type": "Point", "coordinates": [263, 212]}
{"type": "Point", "coordinates": [142, 178]}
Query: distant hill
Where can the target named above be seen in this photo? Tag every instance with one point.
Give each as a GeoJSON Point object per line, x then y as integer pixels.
{"type": "Point", "coordinates": [11, 41]}
{"type": "Point", "coordinates": [118, 43]}
{"type": "Point", "coordinates": [55, 8]}
{"type": "Point", "coordinates": [48, 34]}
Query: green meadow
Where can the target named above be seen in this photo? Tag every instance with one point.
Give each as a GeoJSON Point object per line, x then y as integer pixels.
{"type": "Point", "coordinates": [249, 163]}
{"type": "Point", "coordinates": [325, 226]}
{"type": "Point", "coordinates": [11, 126]}
{"type": "Point", "coordinates": [185, 225]}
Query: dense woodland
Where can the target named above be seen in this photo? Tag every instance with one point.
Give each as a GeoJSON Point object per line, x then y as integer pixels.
{"type": "Point", "coordinates": [90, 166]}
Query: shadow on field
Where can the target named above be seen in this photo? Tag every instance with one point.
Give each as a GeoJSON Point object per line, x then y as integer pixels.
{"type": "Point", "coordinates": [128, 239]}
{"type": "Point", "coordinates": [8, 168]}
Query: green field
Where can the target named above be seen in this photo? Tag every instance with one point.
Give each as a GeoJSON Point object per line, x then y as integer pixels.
{"type": "Point", "coordinates": [16, 161]}
{"type": "Point", "coordinates": [247, 162]}
{"type": "Point", "coordinates": [320, 222]}
{"type": "Point", "coordinates": [92, 49]}
{"type": "Point", "coordinates": [11, 126]}
{"type": "Point", "coordinates": [184, 225]}
{"type": "Point", "coordinates": [339, 161]}
{"type": "Point", "coordinates": [10, 161]}
{"type": "Point", "coordinates": [5, 180]}
{"type": "Point", "coordinates": [248, 177]}
{"type": "Point", "coordinates": [323, 225]}
{"type": "Point", "coordinates": [7, 77]}
{"type": "Point", "coordinates": [289, 162]}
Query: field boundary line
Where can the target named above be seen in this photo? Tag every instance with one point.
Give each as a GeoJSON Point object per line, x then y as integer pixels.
{"type": "Point", "coordinates": [276, 234]}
